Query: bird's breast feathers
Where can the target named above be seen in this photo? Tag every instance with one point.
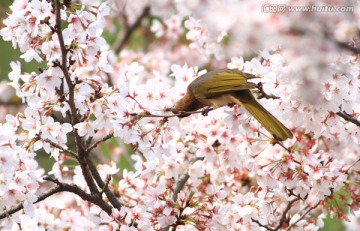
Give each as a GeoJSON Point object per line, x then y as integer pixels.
{"type": "Point", "coordinates": [217, 101]}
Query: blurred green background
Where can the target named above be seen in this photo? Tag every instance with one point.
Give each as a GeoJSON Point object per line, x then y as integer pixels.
{"type": "Point", "coordinates": [7, 52]}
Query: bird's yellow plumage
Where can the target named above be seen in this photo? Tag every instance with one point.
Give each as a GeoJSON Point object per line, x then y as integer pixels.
{"type": "Point", "coordinates": [223, 87]}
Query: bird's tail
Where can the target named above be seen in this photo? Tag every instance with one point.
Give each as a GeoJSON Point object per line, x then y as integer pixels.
{"type": "Point", "coordinates": [266, 119]}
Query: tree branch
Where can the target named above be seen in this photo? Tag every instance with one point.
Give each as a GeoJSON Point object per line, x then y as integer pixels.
{"type": "Point", "coordinates": [352, 165]}
{"type": "Point", "coordinates": [203, 111]}
{"type": "Point", "coordinates": [40, 198]}
{"type": "Point", "coordinates": [343, 45]}
{"type": "Point", "coordinates": [74, 117]}
{"type": "Point", "coordinates": [63, 187]}
{"type": "Point", "coordinates": [348, 117]}
{"type": "Point", "coordinates": [120, 43]}
{"type": "Point", "coordinates": [93, 198]}
{"type": "Point", "coordinates": [282, 219]}
{"type": "Point", "coordinates": [98, 157]}
{"type": "Point", "coordinates": [109, 194]}
{"type": "Point", "coordinates": [179, 185]}
{"type": "Point", "coordinates": [348, 47]}
{"type": "Point", "coordinates": [74, 154]}
{"type": "Point", "coordinates": [261, 225]}
{"type": "Point", "coordinates": [302, 217]}
{"type": "Point", "coordinates": [98, 142]}
{"type": "Point", "coordinates": [63, 65]}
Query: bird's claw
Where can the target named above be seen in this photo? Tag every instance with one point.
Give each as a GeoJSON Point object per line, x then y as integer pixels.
{"type": "Point", "coordinates": [231, 105]}
{"type": "Point", "coordinates": [205, 111]}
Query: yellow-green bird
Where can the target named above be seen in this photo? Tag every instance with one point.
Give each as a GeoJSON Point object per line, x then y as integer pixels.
{"type": "Point", "coordinates": [222, 87]}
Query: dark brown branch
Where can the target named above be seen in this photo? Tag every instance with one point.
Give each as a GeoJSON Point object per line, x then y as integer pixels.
{"type": "Point", "coordinates": [40, 198]}
{"type": "Point", "coordinates": [291, 193]}
{"type": "Point", "coordinates": [107, 182]}
{"type": "Point", "coordinates": [109, 80]}
{"type": "Point", "coordinates": [57, 119]}
{"type": "Point", "coordinates": [287, 149]}
{"type": "Point", "coordinates": [93, 198]}
{"type": "Point", "coordinates": [343, 45]}
{"type": "Point", "coordinates": [282, 219]}
{"type": "Point", "coordinates": [261, 225]}
{"type": "Point", "coordinates": [94, 145]}
{"type": "Point", "coordinates": [109, 194]}
{"type": "Point", "coordinates": [348, 47]}
{"type": "Point", "coordinates": [98, 157]}
{"type": "Point", "coordinates": [121, 42]}
{"type": "Point", "coordinates": [74, 154]}
{"type": "Point", "coordinates": [63, 65]}
{"type": "Point", "coordinates": [74, 117]}
{"type": "Point", "coordinates": [63, 187]}
{"type": "Point", "coordinates": [302, 217]}
{"type": "Point", "coordinates": [87, 176]}
{"type": "Point", "coordinates": [348, 117]}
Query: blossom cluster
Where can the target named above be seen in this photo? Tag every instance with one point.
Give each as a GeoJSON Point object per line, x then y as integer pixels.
{"type": "Point", "coordinates": [212, 171]}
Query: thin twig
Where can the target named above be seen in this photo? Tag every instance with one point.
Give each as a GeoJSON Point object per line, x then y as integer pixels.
{"type": "Point", "coordinates": [261, 225]}
{"type": "Point", "coordinates": [283, 146]}
{"type": "Point", "coordinates": [302, 217]}
{"type": "Point", "coordinates": [74, 154]}
{"type": "Point", "coordinates": [99, 157]}
{"type": "Point", "coordinates": [179, 185]}
{"type": "Point", "coordinates": [181, 114]}
{"type": "Point", "coordinates": [352, 165]}
{"type": "Point", "coordinates": [98, 142]}
{"type": "Point", "coordinates": [282, 219]}
{"type": "Point", "coordinates": [107, 181]}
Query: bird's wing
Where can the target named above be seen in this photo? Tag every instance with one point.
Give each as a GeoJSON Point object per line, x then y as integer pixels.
{"type": "Point", "coordinates": [219, 82]}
